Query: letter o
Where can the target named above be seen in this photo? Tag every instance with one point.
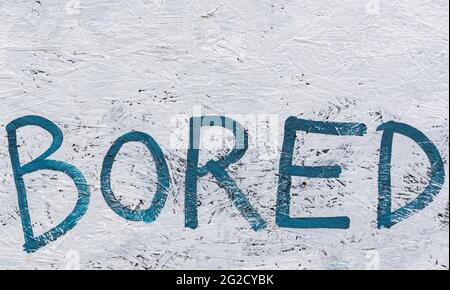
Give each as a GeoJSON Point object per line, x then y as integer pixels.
{"type": "Point", "coordinates": [147, 215]}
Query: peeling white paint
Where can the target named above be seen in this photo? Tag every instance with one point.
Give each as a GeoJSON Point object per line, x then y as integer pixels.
{"type": "Point", "coordinates": [101, 68]}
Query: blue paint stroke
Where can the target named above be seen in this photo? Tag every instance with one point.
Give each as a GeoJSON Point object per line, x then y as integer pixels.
{"type": "Point", "coordinates": [33, 243]}
{"type": "Point", "coordinates": [387, 218]}
{"type": "Point", "coordinates": [217, 169]}
{"type": "Point", "coordinates": [163, 184]}
{"type": "Point", "coordinates": [287, 170]}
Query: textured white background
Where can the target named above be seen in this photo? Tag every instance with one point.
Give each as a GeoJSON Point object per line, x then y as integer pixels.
{"type": "Point", "coordinates": [109, 67]}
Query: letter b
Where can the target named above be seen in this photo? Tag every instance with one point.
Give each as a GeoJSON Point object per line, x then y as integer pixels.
{"type": "Point", "coordinates": [33, 243]}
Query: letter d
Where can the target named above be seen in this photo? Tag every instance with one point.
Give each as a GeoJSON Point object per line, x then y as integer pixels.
{"type": "Point", "coordinates": [387, 218]}
{"type": "Point", "coordinates": [33, 243]}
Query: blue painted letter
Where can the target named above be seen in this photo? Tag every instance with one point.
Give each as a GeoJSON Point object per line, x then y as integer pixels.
{"type": "Point", "coordinates": [33, 243]}
{"type": "Point", "coordinates": [287, 170]}
{"type": "Point", "coordinates": [387, 218]}
{"type": "Point", "coordinates": [159, 200]}
{"type": "Point", "coordinates": [217, 169]}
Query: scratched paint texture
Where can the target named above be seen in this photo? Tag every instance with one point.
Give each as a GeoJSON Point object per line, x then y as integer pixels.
{"type": "Point", "coordinates": [104, 67]}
